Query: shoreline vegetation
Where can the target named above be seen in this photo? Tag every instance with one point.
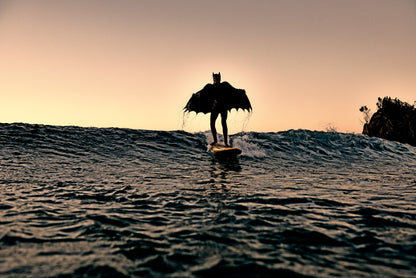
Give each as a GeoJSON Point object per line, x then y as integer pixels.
{"type": "Point", "coordinates": [394, 120]}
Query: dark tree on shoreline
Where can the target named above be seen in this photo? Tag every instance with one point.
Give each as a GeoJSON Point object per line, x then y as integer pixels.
{"type": "Point", "coordinates": [394, 120]}
{"type": "Point", "coordinates": [367, 114]}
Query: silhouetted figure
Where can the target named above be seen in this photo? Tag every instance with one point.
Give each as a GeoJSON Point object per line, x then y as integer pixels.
{"type": "Point", "coordinates": [218, 107]}
{"type": "Point", "coordinates": [218, 98]}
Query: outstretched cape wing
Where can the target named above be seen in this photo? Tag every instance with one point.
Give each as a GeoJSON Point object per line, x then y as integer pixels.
{"type": "Point", "coordinates": [234, 98]}
{"type": "Point", "coordinates": [203, 100]}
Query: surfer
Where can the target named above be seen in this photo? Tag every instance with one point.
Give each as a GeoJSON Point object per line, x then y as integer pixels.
{"type": "Point", "coordinates": [218, 107]}
{"type": "Point", "coordinates": [218, 99]}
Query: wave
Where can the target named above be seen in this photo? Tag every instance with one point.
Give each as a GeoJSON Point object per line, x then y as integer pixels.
{"type": "Point", "coordinates": [109, 143]}
{"type": "Point", "coordinates": [306, 146]}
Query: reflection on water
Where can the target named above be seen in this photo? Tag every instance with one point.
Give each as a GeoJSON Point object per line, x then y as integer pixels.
{"type": "Point", "coordinates": [226, 163]}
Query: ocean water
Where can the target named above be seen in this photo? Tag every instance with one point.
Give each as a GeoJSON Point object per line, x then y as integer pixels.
{"type": "Point", "coordinates": [94, 202]}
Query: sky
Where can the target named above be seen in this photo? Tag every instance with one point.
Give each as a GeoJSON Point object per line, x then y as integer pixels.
{"type": "Point", "coordinates": [305, 64]}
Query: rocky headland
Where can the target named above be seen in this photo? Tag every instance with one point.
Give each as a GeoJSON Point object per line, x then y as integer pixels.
{"type": "Point", "coordinates": [394, 120]}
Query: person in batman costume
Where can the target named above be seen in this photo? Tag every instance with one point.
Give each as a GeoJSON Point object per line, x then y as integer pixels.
{"type": "Point", "coordinates": [218, 98]}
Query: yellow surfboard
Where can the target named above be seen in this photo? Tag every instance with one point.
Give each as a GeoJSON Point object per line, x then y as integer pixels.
{"type": "Point", "coordinates": [223, 150]}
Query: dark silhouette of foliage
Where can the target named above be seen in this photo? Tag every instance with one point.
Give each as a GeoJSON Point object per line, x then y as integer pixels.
{"type": "Point", "coordinates": [394, 120]}
{"type": "Point", "coordinates": [366, 112]}
{"type": "Point", "coordinates": [395, 104]}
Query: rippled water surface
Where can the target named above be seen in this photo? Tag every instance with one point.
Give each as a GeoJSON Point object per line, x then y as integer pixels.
{"type": "Point", "coordinates": [89, 202]}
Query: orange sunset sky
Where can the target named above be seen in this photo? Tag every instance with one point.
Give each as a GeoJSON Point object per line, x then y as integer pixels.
{"type": "Point", "coordinates": [307, 64]}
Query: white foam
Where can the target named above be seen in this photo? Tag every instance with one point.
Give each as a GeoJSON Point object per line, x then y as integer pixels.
{"type": "Point", "coordinates": [248, 147]}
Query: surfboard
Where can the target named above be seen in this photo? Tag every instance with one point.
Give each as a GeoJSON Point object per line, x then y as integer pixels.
{"type": "Point", "coordinates": [223, 150]}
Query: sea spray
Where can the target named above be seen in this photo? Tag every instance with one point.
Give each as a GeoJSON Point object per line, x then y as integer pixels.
{"type": "Point", "coordinates": [244, 142]}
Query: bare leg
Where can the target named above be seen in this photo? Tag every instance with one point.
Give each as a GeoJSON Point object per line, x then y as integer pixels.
{"type": "Point", "coordinates": [224, 126]}
{"type": "Point", "coordinates": [214, 116]}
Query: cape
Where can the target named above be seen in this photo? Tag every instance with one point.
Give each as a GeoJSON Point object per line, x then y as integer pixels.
{"type": "Point", "coordinates": [228, 97]}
